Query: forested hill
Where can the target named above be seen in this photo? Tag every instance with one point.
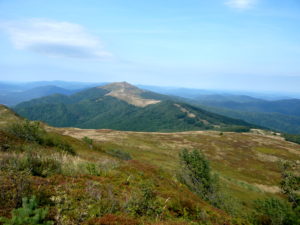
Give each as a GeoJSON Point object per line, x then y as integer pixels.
{"type": "Point", "coordinates": [124, 107]}
{"type": "Point", "coordinates": [281, 115]}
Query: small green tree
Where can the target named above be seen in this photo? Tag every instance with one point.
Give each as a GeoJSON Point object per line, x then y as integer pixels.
{"type": "Point", "coordinates": [88, 141]}
{"type": "Point", "coordinates": [196, 174]}
{"type": "Point", "coordinates": [290, 184]}
{"type": "Point", "coordinates": [29, 214]}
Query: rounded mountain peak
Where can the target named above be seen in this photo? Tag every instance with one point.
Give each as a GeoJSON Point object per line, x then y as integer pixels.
{"type": "Point", "coordinates": [119, 86]}
{"type": "Point", "coordinates": [129, 93]}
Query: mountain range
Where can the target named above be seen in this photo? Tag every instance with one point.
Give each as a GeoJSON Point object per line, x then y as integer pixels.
{"type": "Point", "coordinates": [13, 98]}
{"type": "Point", "coordinates": [276, 111]}
{"type": "Point", "coordinates": [123, 106]}
{"type": "Point", "coordinates": [280, 115]}
{"type": "Point", "coordinates": [14, 93]}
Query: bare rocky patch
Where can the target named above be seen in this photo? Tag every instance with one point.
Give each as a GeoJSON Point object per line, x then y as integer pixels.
{"type": "Point", "coordinates": [129, 94]}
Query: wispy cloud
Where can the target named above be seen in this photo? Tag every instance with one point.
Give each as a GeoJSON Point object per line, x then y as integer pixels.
{"type": "Point", "coordinates": [54, 38]}
{"type": "Point", "coordinates": [240, 4]}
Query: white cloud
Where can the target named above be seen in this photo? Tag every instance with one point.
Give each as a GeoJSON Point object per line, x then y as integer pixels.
{"type": "Point", "coordinates": [55, 39]}
{"type": "Point", "coordinates": [240, 4]}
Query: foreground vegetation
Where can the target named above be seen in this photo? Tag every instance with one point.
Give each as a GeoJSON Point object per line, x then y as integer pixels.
{"type": "Point", "coordinates": [196, 174]}
{"type": "Point", "coordinates": [135, 178]}
{"type": "Point", "coordinates": [43, 183]}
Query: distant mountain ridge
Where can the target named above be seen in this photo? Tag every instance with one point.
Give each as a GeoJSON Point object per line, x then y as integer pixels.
{"type": "Point", "coordinates": [123, 106]}
{"type": "Point", "coordinates": [289, 107]}
{"type": "Point", "coordinates": [269, 111]}
{"type": "Point", "coordinates": [13, 98]}
{"type": "Point", "coordinates": [281, 115]}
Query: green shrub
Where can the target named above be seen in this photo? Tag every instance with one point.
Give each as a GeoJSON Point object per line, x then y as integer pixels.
{"type": "Point", "coordinates": [290, 184]}
{"type": "Point", "coordinates": [29, 214]}
{"type": "Point", "coordinates": [14, 186]}
{"type": "Point", "coordinates": [292, 138]}
{"type": "Point", "coordinates": [32, 132]}
{"type": "Point", "coordinates": [5, 141]}
{"type": "Point", "coordinates": [87, 140]}
{"type": "Point", "coordinates": [33, 163]}
{"type": "Point", "coordinates": [145, 203]}
{"type": "Point", "coordinates": [56, 141]}
{"type": "Point", "coordinates": [273, 211]}
{"type": "Point", "coordinates": [237, 129]}
{"type": "Point", "coordinates": [196, 174]}
{"type": "Point", "coordinates": [43, 166]}
{"type": "Point", "coordinates": [94, 199]}
{"type": "Point", "coordinates": [119, 154]}
{"type": "Point", "coordinates": [92, 169]}
{"type": "Point", "coordinates": [28, 131]}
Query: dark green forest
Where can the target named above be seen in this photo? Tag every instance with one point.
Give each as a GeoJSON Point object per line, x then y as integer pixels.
{"type": "Point", "coordinates": [93, 109]}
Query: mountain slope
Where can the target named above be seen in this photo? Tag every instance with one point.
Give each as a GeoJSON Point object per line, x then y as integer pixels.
{"type": "Point", "coordinates": [124, 107]}
{"type": "Point", "coordinates": [281, 115]}
{"type": "Point", "coordinates": [290, 107]}
{"type": "Point", "coordinates": [275, 121]}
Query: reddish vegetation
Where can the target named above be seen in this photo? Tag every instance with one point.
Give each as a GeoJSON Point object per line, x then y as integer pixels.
{"type": "Point", "coordinates": [113, 220]}
{"type": "Point", "coordinates": [125, 220]}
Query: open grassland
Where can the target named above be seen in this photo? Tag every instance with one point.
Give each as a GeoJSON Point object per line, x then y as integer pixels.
{"type": "Point", "coordinates": [248, 163]}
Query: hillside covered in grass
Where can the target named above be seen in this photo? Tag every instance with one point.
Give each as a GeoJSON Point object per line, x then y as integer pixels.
{"type": "Point", "coordinates": [75, 176]}
{"type": "Point", "coordinates": [122, 106]}
{"type": "Point", "coordinates": [78, 181]}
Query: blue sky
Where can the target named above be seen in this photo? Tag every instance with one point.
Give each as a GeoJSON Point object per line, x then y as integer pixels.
{"type": "Point", "coordinates": [216, 44]}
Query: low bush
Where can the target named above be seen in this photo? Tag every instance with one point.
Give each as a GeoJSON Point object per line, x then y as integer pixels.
{"type": "Point", "coordinates": [119, 154]}
{"type": "Point", "coordinates": [28, 214]}
{"type": "Point", "coordinates": [5, 142]}
{"type": "Point", "coordinates": [92, 169]}
{"type": "Point", "coordinates": [145, 203]}
{"type": "Point", "coordinates": [274, 212]}
{"type": "Point", "coordinates": [33, 163]}
{"type": "Point", "coordinates": [238, 129]}
{"type": "Point", "coordinates": [292, 138]}
{"type": "Point", "coordinates": [28, 131]}
{"type": "Point", "coordinates": [55, 141]}
{"type": "Point", "coordinates": [14, 186]}
{"type": "Point", "coordinates": [32, 132]}
{"type": "Point", "coordinates": [196, 174]}
{"type": "Point", "coordinates": [93, 200]}
{"type": "Point", "coordinates": [42, 166]}
{"type": "Point", "coordinates": [111, 219]}
{"type": "Point", "coordinates": [290, 183]}
{"type": "Point", "coordinates": [88, 140]}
